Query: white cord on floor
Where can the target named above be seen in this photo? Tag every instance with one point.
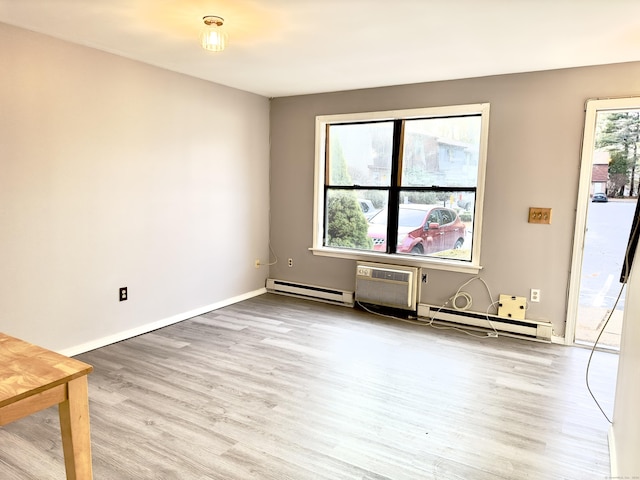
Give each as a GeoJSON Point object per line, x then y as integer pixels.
{"type": "Point", "coordinates": [466, 306]}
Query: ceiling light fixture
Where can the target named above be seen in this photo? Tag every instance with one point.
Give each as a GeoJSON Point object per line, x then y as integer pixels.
{"type": "Point", "coordinates": [213, 37]}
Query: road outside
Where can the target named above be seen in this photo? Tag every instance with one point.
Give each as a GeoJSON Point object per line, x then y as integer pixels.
{"type": "Point", "coordinates": [608, 226]}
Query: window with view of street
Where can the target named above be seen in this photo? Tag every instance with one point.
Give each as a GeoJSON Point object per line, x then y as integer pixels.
{"type": "Point", "coordinates": [404, 184]}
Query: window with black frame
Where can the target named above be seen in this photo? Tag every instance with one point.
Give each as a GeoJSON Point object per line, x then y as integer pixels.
{"type": "Point", "coordinates": [405, 185]}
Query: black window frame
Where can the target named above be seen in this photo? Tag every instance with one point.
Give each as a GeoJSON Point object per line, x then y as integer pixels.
{"type": "Point", "coordinates": [394, 189]}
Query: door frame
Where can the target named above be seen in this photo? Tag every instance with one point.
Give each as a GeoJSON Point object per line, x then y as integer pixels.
{"type": "Point", "coordinates": [592, 107]}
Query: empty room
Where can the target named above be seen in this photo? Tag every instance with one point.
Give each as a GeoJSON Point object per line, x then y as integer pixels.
{"type": "Point", "coordinates": [319, 240]}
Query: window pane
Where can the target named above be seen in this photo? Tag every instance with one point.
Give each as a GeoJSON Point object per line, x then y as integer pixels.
{"type": "Point", "coordinates": [348, 213]}
{"type": "Point", "coordinates": [360, 154]}
{"type": "Point", "coordinates": [436, 224]}
{"type": "Point", "coordinates": [441, 152]}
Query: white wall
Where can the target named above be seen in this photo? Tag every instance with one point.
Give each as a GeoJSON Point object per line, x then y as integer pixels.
{"type": "Point", "coordinates": [115, 173]}
{"type": "Point", "coordinates": [625, 431]}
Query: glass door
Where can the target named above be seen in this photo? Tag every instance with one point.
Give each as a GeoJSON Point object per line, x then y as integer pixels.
{"type": "Point", "coordinates": [607, 198]}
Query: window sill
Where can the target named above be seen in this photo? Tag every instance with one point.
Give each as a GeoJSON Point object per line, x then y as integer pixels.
{"type": "Point", "coordinates": [412, 261]}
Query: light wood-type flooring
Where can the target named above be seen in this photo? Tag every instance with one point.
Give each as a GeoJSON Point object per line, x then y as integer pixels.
{"type": "Point", "coordinates": [278, 388]}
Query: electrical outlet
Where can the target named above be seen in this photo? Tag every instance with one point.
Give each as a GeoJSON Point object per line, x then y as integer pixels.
{"type": "Point", "coordinates": [290, 262]}
{"type": "Point", "coordinates": [257, 264]}
{"type": "Point", "coordinates": [123, 294]}
{"type": "Point", "coordinates": [535, 295]}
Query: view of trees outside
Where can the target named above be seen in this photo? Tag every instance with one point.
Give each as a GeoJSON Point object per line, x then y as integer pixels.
{"type": "Point", "coordinates": [619, 134]}
{"type": "Point", "coordinates": [440, 152]}
{"type": "Point", "coordinates": [353, 148]}
{"type": "Point", "coordinates": [346, 225]}
{"type": "Point", "coordinates": [360, 154]}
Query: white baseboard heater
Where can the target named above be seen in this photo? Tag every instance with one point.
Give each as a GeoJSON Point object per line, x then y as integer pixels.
{"type": "Point", "coordinates": [310, 292]}
{"type": "Point", "coordinates": [532, 329]}
{"type": "Point", "coordinates": [393, 286]}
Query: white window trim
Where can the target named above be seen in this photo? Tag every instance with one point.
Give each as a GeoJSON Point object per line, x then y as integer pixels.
{"type": "Point", "coordinates": [427, 262]}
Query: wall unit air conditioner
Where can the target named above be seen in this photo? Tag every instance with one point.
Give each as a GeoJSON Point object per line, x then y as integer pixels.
{"type": "Point", "coordinates": [393, 286]}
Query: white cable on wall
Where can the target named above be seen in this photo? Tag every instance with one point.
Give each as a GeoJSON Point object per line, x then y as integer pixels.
{"type": "Point", "coordinates": [467, 298]}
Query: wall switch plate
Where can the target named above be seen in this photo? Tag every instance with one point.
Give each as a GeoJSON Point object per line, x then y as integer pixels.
{"type": "Point", "coordinates": [539, 215]}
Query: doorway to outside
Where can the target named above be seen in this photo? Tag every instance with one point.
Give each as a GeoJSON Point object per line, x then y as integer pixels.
{"type": "Point", "coordinates": [606, 203]}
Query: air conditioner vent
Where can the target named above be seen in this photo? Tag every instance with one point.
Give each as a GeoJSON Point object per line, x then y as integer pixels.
{"type": "Point", "coordinates": [392, 275]}
{"type": "Point", "coordinates": [387, 285]}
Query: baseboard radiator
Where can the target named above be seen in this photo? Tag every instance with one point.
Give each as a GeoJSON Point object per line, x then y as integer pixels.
{"type": "Point", "coordinates": [531, 329]}
{"type": "Point", "coordinates": [310, 292]}
{"type": "Point", "coordinates": [394, 286]}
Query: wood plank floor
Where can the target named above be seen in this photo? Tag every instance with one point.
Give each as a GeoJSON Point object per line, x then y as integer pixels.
{"type": "Point", "coordinates": [281, 388]}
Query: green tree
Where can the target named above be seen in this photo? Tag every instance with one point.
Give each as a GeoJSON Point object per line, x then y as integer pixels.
{"type": "Point", "coordinates": [346, 224]}
{"type": "Point", "coordinates": [620, 132]}
{"type": "Point", "coordinates": [338, 166]}
{"type": "Point", "coordinates": [618, 173]}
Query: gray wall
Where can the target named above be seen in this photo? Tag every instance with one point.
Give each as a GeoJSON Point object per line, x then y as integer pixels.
{"type": "Point", "coordinates": [115, 173]}
{"type": "Point", "coordinates": [535, 134]}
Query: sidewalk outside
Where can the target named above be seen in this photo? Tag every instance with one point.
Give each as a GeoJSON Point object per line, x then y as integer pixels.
{"type": "Point", "coordinates": [590, 323]}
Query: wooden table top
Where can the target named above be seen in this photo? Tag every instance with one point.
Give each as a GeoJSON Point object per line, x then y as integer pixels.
{"type": "Point", "coordinates": [26, 369]}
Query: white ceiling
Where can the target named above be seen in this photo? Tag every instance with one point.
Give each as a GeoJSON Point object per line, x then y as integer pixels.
{"type": "Point", "coordinates": [289, 47]}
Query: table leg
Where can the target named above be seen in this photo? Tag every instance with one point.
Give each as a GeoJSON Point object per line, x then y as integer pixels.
{"type": "Point", "coordinates": [74, 425]}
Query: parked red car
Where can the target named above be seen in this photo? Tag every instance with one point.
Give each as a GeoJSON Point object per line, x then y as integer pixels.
{"type": "Point", "coordinates": [422, 229]}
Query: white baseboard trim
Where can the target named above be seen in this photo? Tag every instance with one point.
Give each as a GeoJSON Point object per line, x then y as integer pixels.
{"type": "Point", "coordinates": [149, 327]}
{"type": "Point", "coordinates": [613, 455]}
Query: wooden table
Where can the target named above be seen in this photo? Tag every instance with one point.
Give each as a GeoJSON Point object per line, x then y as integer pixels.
{"type": "Point", "coordinates": [32, 379]}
